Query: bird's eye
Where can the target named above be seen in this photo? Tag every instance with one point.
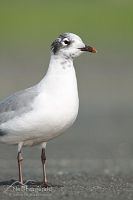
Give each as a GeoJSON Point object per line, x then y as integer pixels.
{"type": "Point", "coordinates": [67, 42]}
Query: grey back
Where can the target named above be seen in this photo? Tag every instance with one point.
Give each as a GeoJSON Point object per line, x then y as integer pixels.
{"type": "Point", "coordinates": [17, 104]}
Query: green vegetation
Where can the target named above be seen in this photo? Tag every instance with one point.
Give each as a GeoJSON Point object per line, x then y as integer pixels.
{"type": "Point", "coordinates": [33, 23]}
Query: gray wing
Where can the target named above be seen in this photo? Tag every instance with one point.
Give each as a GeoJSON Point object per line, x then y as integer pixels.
{"type": "Point", "coordinates": [17, 104]}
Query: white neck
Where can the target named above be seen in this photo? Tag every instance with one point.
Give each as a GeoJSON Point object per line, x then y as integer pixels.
{"type": "Point", "coordinates": [60, 69]}
{"type": "Point", "coordinates": [59, 65]}
{"type": "Point", "coordinates": [60, 83]}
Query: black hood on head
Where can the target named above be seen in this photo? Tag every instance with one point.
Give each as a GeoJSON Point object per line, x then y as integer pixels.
{"type": "Point", "coordinates": [56, 45]}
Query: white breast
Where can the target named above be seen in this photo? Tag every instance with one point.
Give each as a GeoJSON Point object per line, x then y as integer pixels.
{"type": "Point", "coordinates": [54, 109]}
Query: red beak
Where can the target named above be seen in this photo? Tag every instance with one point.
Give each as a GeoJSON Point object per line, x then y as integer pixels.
{"type": "Point", "coordinates": [89, 49]}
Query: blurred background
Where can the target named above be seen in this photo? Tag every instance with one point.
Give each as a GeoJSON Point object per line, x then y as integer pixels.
{"type": "Point", "coordinates": [102, 137]}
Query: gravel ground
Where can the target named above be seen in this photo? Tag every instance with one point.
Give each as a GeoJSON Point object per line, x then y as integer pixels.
{"type": "Point", "coordinates": [74, 185]}
{"type": "Point", "coordinates": [71, 177]}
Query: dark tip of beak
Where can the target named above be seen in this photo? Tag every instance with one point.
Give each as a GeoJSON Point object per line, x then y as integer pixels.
{"type": "Point", "coordinates": [89, 49]}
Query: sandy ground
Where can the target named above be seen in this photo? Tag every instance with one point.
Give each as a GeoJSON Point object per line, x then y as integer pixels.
{"type": "Point", "coordinates": [71, 186]}
{"type": "Point", "coordinates": [71, 178]}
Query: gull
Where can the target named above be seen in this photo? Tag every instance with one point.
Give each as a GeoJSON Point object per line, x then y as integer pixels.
{"type": "Point", "coordinates": [42, 112]}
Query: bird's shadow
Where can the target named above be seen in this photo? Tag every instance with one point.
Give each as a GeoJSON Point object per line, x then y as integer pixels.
{"type": "Point", "coordinates": [28, 183]}
{"type": "Point", "coordinates": [7, 182]}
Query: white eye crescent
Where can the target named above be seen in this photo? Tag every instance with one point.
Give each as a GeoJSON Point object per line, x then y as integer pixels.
{"type": "Point", "coordinates": [66, 42]}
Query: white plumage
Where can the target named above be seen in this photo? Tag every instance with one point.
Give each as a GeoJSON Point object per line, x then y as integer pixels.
{"type": "Point", "coordinates": [53, 110]}
{"type": "Point", "coordinates": [44, 111]}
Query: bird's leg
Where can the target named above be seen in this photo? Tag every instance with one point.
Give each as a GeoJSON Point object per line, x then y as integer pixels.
{"type": "Point", "coordinates": [20, 159]}
{"type": "Point", "coordinates": [43, 159]}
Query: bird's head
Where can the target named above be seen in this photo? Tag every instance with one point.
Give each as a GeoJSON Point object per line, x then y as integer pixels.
{"type": "Point", "coordinates": [70, 45]}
